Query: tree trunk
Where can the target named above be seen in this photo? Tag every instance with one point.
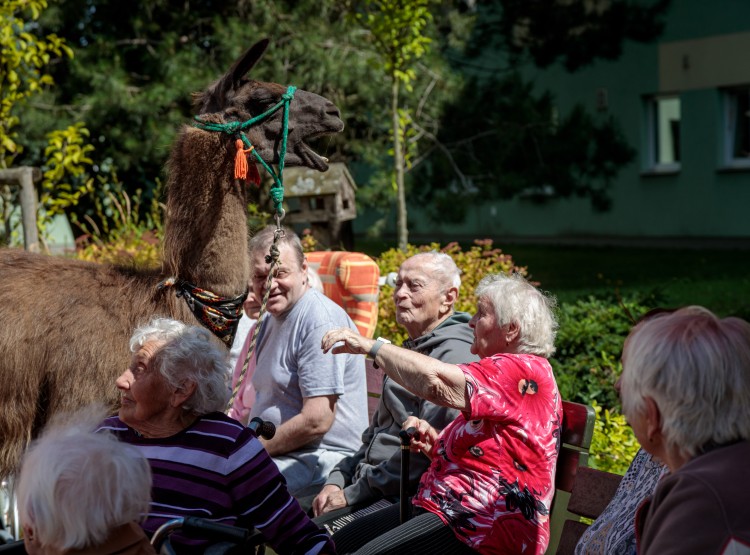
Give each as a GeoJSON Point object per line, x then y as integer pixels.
{"type": "Point", "coordinates": [24, 177]}
{"type": "Point", "coordinates": [398, 162]}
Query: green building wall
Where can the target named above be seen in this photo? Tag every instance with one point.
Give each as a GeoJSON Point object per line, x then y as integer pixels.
{"type": "Point", "coordinates": [703, 201]}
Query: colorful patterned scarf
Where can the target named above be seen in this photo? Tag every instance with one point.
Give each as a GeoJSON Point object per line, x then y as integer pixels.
{"type": "Point", "coordinates": [218, 314]}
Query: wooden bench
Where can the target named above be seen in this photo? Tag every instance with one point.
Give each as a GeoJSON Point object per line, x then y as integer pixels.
{"type": "Point", "coordinates": [592, 492]}
{"type": "Point", "coordinates": [577, 431]}
{"type": "Point", "coordinates": [580, 491]}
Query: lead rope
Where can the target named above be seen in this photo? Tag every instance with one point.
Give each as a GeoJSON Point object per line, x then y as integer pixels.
{"type": "Point", "coordinates": [272, 258]}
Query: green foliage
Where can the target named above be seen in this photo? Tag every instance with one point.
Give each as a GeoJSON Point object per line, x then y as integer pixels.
{"type": "Point", "coordinates": [518, 144]}
{"type": "Point", "coordinates": [137, 62]}
{"type": "Point", "coordinates": [125, 234]}
{"type": "Point", "coordinates": [575, 32]}
{"type": "Point", "coordinates": [24, 58]}
{"type": "Point", "coordinates": [398, 31]}
{"type": "Point", "coordinates": [67, 158]}
{"type": "Point", "coordinates": [587, 366]}
{"type": "Point", "coordinates": [475, 263]}
{"type": "Point", "coordinates": [589, 344]}
{"type": "Point", "coordinates": [257, 218]}
{"type": "Point", "coordinates": [613, 445]}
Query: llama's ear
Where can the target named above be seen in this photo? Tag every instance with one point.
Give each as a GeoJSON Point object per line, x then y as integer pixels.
{"type": "Point", "coordinates": [240, 67]}
{"type": "Point", "coordinates": [246, 62]}
{"type": "Point", "coordinates": [214, 99]}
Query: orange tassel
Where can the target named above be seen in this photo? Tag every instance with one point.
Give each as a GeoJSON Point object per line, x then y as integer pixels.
{"type": "Point", "coordinates": [240, 160]}
{"type": "Point", "coordinates": [241, 167]}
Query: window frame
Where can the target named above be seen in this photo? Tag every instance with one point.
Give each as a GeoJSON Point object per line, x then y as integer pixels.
{"type": "Point", "coordinates": [652, 164]}
{"type": "Point", "coordinates": [729, 96]}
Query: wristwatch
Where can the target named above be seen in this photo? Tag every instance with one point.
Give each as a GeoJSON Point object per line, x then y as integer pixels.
{"type": "Point", "coordinates": [379, 342]}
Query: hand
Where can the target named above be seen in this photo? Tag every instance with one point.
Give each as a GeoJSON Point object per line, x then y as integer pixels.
{"type": "Point", "coordinates": [427, 436]}
{"type": "Point", "coordinates": [353, 342]}
{"type": "Point", "coordinates": [330, 498]}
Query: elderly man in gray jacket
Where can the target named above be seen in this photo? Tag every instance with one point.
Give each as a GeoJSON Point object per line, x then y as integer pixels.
{"type": "Point", "coordinates": [426, 290]}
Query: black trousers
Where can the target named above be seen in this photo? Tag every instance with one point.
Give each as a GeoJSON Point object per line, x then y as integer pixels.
{"type": "Point", "coordinates": [381, 533]}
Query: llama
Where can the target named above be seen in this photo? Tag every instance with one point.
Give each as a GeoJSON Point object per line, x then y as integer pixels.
{"type": "Point", "coordinates": [67, 322]}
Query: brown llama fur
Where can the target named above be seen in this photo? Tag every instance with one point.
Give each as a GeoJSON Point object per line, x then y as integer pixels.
{"type": "Point", "coordinates": [66, 323]}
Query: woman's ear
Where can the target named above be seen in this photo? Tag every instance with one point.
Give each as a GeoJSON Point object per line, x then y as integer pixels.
{"type": "Point", "coordinates": [181, 395]}
{"type": "Point", "coordinates": [514, 330]}
{"type": "Point", "coordinates": [653, 420]}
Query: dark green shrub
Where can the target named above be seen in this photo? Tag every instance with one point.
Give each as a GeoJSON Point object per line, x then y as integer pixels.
{"type": "Point", "coordinates": [589, 344]}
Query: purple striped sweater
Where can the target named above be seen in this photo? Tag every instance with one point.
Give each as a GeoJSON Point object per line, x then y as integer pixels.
{"type": "Point", "coordinates": [218, 470]}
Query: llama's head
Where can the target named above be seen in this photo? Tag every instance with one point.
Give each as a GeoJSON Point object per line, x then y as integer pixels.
{"type": "Point", "coordinates": [238, 98]}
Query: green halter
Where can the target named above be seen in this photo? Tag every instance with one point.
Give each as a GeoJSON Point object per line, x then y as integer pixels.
{"type": "Point", "coordinates": [238, 128]}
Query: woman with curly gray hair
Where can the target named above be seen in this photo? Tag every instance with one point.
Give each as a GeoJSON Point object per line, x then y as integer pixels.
{"type": "Point", "coordinates": [203, 462]}
{"type": "Point", "coordinates": [686, 393]}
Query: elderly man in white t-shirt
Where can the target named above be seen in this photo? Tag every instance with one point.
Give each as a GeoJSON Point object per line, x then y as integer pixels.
{"type": "Point", "coordinates": [317, 401]}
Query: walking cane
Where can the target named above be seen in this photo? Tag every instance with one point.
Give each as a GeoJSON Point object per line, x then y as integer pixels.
{"type": "Point", "coordinates": [404, 505]}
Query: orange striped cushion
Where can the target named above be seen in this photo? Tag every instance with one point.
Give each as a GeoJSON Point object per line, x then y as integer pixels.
{"type": "Point", "coordinates": [351, 280]}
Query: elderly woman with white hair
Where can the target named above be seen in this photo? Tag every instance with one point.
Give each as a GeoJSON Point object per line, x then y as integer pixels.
{"type": "Point", "coordinates": [491, 480]}
{"type": "Point", "coordinates": [203, 462]}
{"type": "Point", "coordinates": [83, 493]}
{"type": "Point", "coordinates": [686, 393]}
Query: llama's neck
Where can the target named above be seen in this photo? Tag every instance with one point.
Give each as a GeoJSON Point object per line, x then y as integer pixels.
{"type": "Point", "coordinates": [206, 232]}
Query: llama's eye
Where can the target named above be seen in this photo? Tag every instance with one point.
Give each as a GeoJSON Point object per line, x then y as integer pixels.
{"type": "Point", "coordinates": [265, 101]}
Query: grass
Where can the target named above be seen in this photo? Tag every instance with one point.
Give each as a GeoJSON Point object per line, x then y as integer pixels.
{"type": "Point", "coordinates": [716, 279]}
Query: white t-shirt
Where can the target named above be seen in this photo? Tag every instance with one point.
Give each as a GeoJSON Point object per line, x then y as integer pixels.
{"type": "Point", "coordinates": [291, 365]}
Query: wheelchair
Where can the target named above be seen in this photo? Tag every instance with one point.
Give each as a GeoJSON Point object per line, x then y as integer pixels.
{"type": "Point", "coordinates": [229, 540]}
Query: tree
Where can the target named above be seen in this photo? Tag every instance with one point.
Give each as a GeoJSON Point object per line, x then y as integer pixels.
{"type": "Point", "coordinates": [138, 62]}
{"type": "Point", "coordinates": [397, 29]}
{"type": "Point", "coordinates": [574, 32]}
{"type": "Point", "coordinates": [507, 139]}
{"type": "Point", "coordinates": [25, 61]}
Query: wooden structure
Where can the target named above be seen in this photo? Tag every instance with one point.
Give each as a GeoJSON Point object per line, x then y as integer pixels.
{"type": "Point", "coordinates": [592, 491]}
{"type": "Point", "coordinates": [24, 177]}
{"type": "Point", "coordinates": [325, 201]}
{"type": "Point", "coordinates": [577, 431]}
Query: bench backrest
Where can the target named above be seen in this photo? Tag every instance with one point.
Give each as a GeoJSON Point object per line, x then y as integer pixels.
{"type": "Point", "coordinates": [350, 279]}
{"type": "Point", "coordinates": [592, 492]}
{"type": "Point", "coordinates": [577, 431]}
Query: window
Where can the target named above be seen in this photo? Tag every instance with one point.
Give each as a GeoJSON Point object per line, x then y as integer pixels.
{"type": "Point", "coordinates": [737, 127]}
{"type": "Point", "coordinates": [663, 115]}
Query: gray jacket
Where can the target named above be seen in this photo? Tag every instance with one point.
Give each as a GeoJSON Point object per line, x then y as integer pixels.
{"type": "Point", "coordinates": [373, 472]}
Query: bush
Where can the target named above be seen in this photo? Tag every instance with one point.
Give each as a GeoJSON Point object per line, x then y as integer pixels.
{"type": "Point", "coordinates": [613, 445]}
{"type": "Point", "coordinates": [475, 263]}
{"type": "Point", "coordinates": [123, 236]}
{"type": "Point", "coordinates": [589, 345]}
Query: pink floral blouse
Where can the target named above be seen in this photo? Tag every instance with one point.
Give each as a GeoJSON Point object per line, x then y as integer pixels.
{"type": "Point", "coordinates": [493, 470]}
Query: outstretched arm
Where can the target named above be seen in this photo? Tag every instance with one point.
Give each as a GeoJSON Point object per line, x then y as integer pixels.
{"type": "Point", "coordinates": [430, 379]}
